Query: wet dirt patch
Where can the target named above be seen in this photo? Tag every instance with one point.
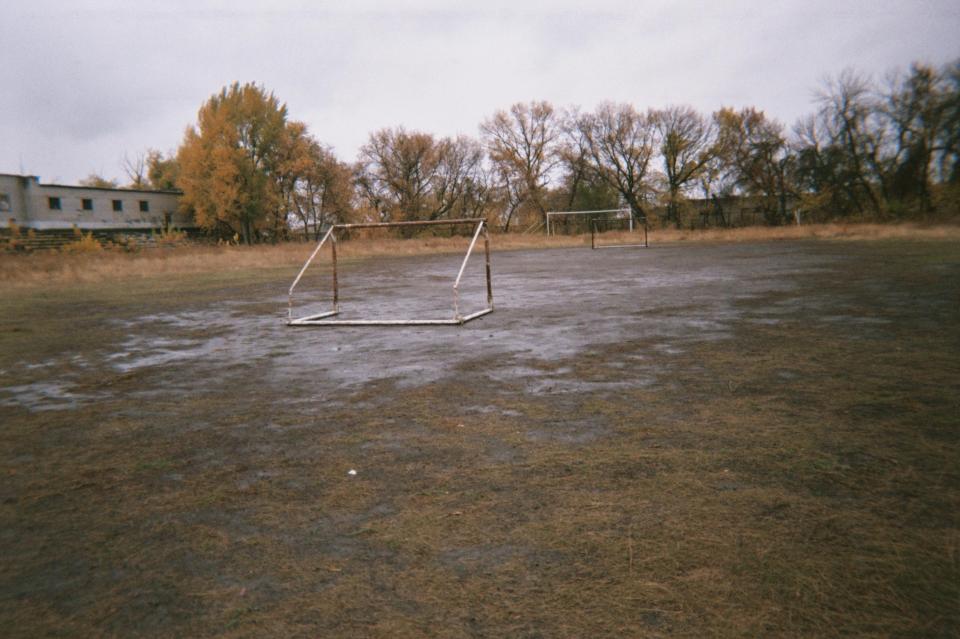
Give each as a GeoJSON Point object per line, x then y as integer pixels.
{"type": "Point", "coordinates": [43, 396]}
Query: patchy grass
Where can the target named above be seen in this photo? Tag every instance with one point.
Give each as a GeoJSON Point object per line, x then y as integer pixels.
{"type": "Point", "coordinates": [796, 479]}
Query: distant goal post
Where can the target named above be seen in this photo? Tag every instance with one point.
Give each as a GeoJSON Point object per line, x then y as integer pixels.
{"type": "Point", "coordinates": [598, 227]}
{"type": "Point", "coordinates": [554, 216]}
{"type": "Point", "coordinates": [458, 318]}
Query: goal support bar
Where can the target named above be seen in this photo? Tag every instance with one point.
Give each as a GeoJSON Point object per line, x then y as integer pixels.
{"type": "Point", "coordinates": [323, 319]}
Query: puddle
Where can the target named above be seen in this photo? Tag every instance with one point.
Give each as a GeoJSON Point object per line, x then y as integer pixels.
{"type": "Point", "coordinates": [550, 306]}
{"type": "Point", "coordinates": [44, 396]}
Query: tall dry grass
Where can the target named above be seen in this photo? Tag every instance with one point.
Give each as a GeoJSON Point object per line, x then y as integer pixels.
{"type": "Point", "coordinates": [834, 231]}
{"type": "Point", "coordinates": [65, 268]}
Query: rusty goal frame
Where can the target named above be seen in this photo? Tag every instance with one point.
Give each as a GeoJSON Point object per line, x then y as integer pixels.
{"type": "Point", "coordinates": [595, 231]}
{"type": "Point", "coordinates": [323, 319]}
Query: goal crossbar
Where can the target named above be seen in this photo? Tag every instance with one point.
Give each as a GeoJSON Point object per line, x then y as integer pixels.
{"type": "Point", "coordinates": [321, 319]}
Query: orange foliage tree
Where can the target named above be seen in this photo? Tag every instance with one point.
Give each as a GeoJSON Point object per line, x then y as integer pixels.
{"type": "Point", "coordinates": [241, 164]}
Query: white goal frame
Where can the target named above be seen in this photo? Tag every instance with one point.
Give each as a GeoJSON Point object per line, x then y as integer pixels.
{"type": "Point", "coordinates": [552, 214]}
{"type": "Point", "coordinates": [321, 319]}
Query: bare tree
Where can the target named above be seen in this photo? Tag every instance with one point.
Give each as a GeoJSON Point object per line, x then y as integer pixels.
{"type": "Point", "coordinates": [461, 183]}
{"type": "Point", "coordinates": [395, 170]}
{"type": "Point", "coordinates": [523, 146]}
{"type": "Point", "coordinates": [413, 176]}
{"type": "Point", "coordinates": [916, 106]}
{"type": "Point", "coordinates": [846, 109]}
{"type": "Point", "coordinates": [948, 140]}
{"type": "Point", "coordinates": [136, 170]}
{"type": "Point", "coordinates": [686, 146]}
{"type": "Point", "coordinates": [574, 155]}
{"type": "Point", "coordinates": [619, 142]}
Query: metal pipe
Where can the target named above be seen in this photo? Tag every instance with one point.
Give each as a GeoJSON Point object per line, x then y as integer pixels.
{"type": "Point", "coordinates": [309, 318]}
{"type": "Point", "coordinates": [486, 251]}
{"type": "Point", "coordinates": [584, 212]}
{"type": "Point", "coordinates": [302, 270]}
{"type": "Point", "coordinates": [304, 321]}
{"type": "Point", "coordinates": [374, 225]}
{"type": "Point", "coordinates": [336, 285]}
{"type": "Point", "coordinates": [476, 234]}
{"type": "Point", "coordinates": [456, 283]}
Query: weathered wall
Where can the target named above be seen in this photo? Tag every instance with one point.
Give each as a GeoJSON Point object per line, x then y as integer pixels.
{"type": "Point", "coordinates": [28, 203]}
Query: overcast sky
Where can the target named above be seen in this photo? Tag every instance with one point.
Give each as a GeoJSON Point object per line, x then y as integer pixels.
{"type": "Point", "coordinates": [82, 83]}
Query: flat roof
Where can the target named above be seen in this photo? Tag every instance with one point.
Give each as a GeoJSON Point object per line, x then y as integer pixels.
{"type": "Point", "coordinates": [95, 188]}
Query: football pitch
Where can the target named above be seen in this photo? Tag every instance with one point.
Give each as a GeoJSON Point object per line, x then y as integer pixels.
{"type": "Point", "coordinates": [756, 439]}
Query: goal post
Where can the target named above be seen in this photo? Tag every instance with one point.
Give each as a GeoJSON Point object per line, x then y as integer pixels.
{"type": "Point", "coordinates": [458, 318]}
{"type": "Point", "coordinates": [605, 225]}
{"type": "Point", "coordinates": [625, 214]}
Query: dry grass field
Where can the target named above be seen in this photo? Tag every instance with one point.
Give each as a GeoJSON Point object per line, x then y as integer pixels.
{"type": "Point", "coordinates": [46, 268]}
{"type": "Point", "coordinates": [738, 437]}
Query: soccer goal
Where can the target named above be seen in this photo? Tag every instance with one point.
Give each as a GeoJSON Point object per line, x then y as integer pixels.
{"type": "Point", "coordinates": [553, 217]}
{"type": "Point", "coordinates": [458, 318]}
{"type": "Point", "coordinates": [616, 233]}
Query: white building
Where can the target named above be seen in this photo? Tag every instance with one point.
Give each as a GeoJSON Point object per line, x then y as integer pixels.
{"type": "Point", "coordinates": [28, 204]}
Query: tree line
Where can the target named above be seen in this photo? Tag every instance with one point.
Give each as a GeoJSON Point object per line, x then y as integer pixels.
{"type": "Point", "coordinates": [877, 150]}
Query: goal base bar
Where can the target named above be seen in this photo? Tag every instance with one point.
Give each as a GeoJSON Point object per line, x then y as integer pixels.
{"type": "Point", "coordinates": [318, 320]}
{"type": "Point", "coordinates": [603, 246]}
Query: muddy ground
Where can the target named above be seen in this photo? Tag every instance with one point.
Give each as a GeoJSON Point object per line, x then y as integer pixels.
{"type": "Point", "coordinates": [701, 440]}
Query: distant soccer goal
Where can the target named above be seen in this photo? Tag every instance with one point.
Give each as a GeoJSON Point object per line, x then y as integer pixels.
{"type": "Point", "coordinates": [458, 318]}
{"type": "Point", "coordinates": [616, 233]}
{"type": "Point", "coordinates": [556, 219]}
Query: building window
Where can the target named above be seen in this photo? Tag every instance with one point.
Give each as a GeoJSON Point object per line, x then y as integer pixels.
{"type": "Point", "coordinates": [144, 206]}
{"type": "Point", "coordinates": [54, 203]}
{"type": "Point", "coordinates": [117, 205]}
{"type": "Point", "coordinates": [86, 204]}
{"type": "Point", "coordinates": [4, 202]}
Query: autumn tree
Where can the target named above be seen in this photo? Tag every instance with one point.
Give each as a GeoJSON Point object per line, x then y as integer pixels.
{"type": "Point", "coordinates": [686, 144]}
{"type": "Point", "coordinates": [229, 161]}
{"type": "Point", "coordinates": [522, 144]}
{"type": "Point", "coordinates": [719, 180]}
{"type": "Point", "coordinates": [755, 149]}
{"type": "Point", "coordinates": [317, 188]}
{"type": "Point", "coordinates": [97, 181]}
{"type": "Point", "coordinates": [163, 171]}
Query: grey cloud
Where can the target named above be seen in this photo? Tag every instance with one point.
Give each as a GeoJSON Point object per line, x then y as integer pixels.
{"type": "Point", "coordinates": [104, 78]}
